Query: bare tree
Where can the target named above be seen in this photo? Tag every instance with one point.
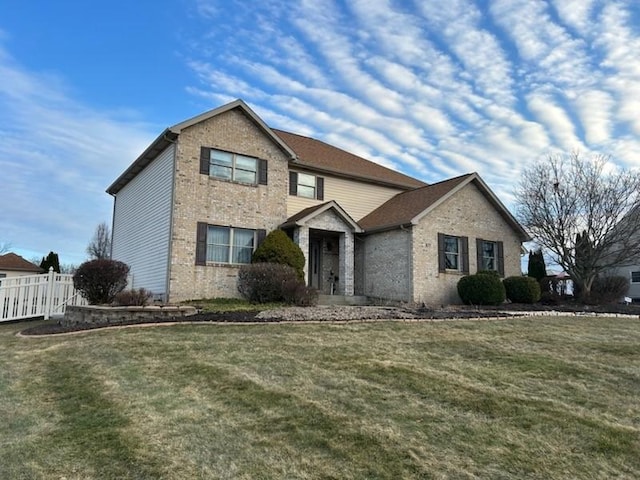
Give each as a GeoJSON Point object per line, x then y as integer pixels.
{"type": "Point", "coordinates": [4, 247]}
{"type": "Point", "coordinates": [584, 208]}
{"type": "Point", "coordinates": [100, 246]}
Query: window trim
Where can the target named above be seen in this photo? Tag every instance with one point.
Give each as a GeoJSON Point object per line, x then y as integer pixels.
{"type": "Point", "coordinates": [631, 276]}
{"type": "Point", "coordinates": [463, 254]}
{"type": "Point", "coordinates": [206, 163]}
{"type": "Point", "coordinates": [202, 244]}
{"type": "Point", "coordinates": [318, 189]}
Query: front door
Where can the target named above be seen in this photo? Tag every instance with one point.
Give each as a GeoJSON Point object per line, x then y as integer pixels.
{"type": "Point", "coordinates": [315, 267]}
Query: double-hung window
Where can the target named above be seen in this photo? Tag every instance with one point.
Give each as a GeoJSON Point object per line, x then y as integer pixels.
{"type": "Point", "coordinates": [232, 166]}
{"type": "Point", "coordinates": [635, 277]}
{"type": "Point", "coordinates": [490, 255]}
{"type": "Point", "coordinates": [231, 245]}
{"type": "Point", "coordinates": [453, 253]}
{"type": "Point", "coordinates": [306, 185]}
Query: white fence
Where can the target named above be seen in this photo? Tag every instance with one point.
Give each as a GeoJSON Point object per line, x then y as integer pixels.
{"type": "Point", "coordinates": [37, 296]}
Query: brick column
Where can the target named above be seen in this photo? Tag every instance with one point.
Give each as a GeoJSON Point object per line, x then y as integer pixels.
{"type": "Point", "coordinates": [301, 238]}
{"type": "Point", "coordinates": [346, 263]}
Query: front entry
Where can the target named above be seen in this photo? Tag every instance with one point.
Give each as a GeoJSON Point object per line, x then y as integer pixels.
{"type": "Point", "coordinates": [315, 263]}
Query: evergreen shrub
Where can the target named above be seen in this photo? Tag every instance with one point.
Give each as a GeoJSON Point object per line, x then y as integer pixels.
{"type": "Point", "coordinates": [481, 289]}
{"type": "Point", "coordinates": [522, 289]}
{"type": "Point", "coordinates": [277, 247]}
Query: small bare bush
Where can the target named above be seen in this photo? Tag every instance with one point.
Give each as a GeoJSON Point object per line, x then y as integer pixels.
{"type": "Point", "coordinates": [272, 282]}
{"type": "Point", "coordinates": [133, 298]}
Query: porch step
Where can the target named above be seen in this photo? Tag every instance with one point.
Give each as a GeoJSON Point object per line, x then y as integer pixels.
{"type": "Point", "coordinates": [342, 300]}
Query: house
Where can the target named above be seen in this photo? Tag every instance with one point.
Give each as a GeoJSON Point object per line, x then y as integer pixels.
{"type": "Point", "coordinates": [13, 265]}
{"type": "Point", "coordinates": [194, 205]}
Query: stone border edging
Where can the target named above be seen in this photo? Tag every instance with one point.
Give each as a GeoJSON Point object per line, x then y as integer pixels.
{"type": "Point", "coordinates": [505, 315]}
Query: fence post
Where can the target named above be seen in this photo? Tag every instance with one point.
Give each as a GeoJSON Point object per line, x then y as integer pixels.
{"type": "Point", "coordinates": [49, 301]}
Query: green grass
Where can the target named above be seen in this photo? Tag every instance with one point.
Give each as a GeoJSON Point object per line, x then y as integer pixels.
{"type": "Point", "coordinates": [528, 398]}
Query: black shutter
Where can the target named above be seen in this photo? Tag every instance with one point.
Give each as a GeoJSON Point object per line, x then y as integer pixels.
{"type": "Point", "coordinates": [201, 244]}
{"type": "Point", "coordinates": [260, 236]}
{"type": "Point", "coordinates": [465, 254]}
{"type": "Point", "coordinates": [293, 183]}
{"type": "Point", "coordinates": [500, 259]}
{"type": "Point", "coordinates": [262, 172]}
{"type": "Point", "coordinates": [205, 159]}
{"type": "Point", "coordinates": [442, 265]}
{"type": "Point", "coordinates": [320, 188]}
{"type": "Point", "coordinates": [479, 254]}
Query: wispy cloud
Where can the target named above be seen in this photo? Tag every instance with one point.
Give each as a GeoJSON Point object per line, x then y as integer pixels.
{"type": "Point", "coordinates": [484, 86]}
{"type": "Point", "coordinates": [54, 158]}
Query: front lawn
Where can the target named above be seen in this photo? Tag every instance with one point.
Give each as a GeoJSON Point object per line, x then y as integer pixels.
{"type": "Point", "coordinates": [523, 398]}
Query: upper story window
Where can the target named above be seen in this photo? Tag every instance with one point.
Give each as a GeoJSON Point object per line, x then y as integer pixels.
{"type": "Point", "coordinates": [306, 185]}
{"type": "Point", "coordinates": [453, 253]}
{"type": "Point", "coordinates": [490, 255]}
{"type": "Point", "coordinates": [232, 166]}
{"type": "Point", "coordinates": [635, 277]}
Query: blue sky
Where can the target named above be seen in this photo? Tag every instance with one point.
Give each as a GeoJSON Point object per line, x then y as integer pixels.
{"type": "Point", "coordinates": [434, 89]}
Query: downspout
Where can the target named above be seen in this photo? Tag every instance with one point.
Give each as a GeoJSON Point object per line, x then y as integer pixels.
{"type": "Point", "coordinates": [173, 193]}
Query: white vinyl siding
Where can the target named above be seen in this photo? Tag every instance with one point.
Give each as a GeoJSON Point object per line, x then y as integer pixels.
{"type": "Point", "coordinates": [142, 224]}
{"type": "Point", "coordinates": [357, 198]}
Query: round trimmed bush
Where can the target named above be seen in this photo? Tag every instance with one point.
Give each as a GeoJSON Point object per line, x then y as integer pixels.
{"type": "Point", "coordinates": [522, 289]}
{"type": "Point", "coordinates": [277, 247]}
{"type": "Point", "coordinates": [99, 281]}
{"type": "Point", "coordinates": [481, 289]}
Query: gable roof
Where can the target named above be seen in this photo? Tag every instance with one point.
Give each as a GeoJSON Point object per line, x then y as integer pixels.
{"type": "Point", "coordinates": [169, 135]}
{"type": "Point", "coordinates": [317, 155]}
{"type": "Point", "coordinates": [303, 216]}
{"type": "Point", "coordinates": [408, 208]}
{"type": "Point", "coordinates": [16, 263]}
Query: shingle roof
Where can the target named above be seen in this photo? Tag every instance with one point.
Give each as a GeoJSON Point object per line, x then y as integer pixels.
{"type": "Point", "coordinates": [318, 155]}
{"type": "Point", "coordinates": [16, 263]}
{"type": "Point", "coordinates": [404, 207]}
{"type": "Point", "coordinates": [310, 212]}
{"type": "Point", "coordinates": [409, 207]}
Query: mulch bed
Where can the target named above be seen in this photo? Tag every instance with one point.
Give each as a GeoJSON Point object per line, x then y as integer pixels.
{"type": "Point", "coordinates": [457, 312]}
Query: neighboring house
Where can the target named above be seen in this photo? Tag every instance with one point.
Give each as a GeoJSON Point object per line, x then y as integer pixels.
{"type": "Point", "coordinates": [632, 273]}
{"type": "Point", "coordinates": [195, 205]}
{"type": "Point", "coordinates": [13, 265]}
{"type": "Point", "coordinates": [630, 248]}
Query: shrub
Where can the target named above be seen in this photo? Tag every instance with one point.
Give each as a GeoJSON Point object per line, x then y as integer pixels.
{"type": "Point", "coordinates": [277, 247]}
{"type": "Point", "coordinates": [100, 280]}
{"type": "Point", "coordinates": [481, 289]}
{"type": "Point", "coordinates": [609, 289]}
{"type": "Point", "coordinates": [522, 289]}
{"type": "Point", "coordinates": [295, 292]}
{"type": "Point", "coordinates": [493, 273]}
{"type": "Point", "coordinates": [264, 282]}
{"type": "Point", "coordinates": [133, 298]}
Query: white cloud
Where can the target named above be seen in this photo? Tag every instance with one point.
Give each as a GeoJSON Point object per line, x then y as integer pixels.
{"type": "Point", "coordinates": [576, 14]}
{"type": "Point", "coordinates": [57, 158]}
{"type": "Point", "coordinates": [438, 91]}
{"type": "Point", "coordinates": [558, 124]}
